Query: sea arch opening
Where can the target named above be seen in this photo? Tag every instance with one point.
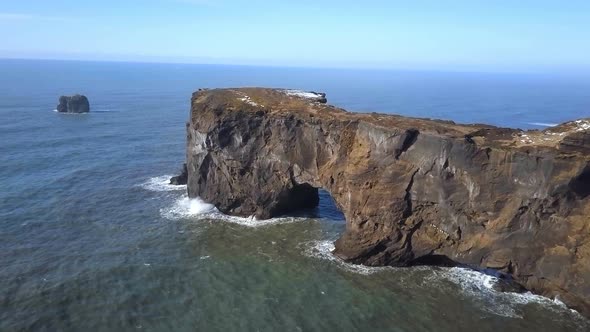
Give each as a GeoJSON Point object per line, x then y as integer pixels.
{"type": "Point", "coordinates": [305, 200]}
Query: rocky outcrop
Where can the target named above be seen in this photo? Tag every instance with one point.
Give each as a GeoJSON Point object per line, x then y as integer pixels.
{"type": "Point", "coordinates": [180, 179]}
{"type": "Point", "coordinates": [413, 191]}
{"type": "Point", "coordinates": [74, 104]}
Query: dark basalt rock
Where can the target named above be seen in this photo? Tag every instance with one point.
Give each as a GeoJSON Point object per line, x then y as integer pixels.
{"type": "Point", "coordinates": [74, 104]}
{"type": "Point", "coordinates": [180, 179]}
{"type": "Point", "coordinates": [508, 286]}
{"type": "Point", "coordinates": [413, 191]}
{"type": "Point", "coordinates": [321, 97]}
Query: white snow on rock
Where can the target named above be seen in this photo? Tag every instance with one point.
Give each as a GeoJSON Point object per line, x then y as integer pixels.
{"type": "Point", "coordinates": [582, 125]}
{"type": "Point", "coordinates": [524, 138]}
{"type": "Point", "coordinates": [248, 101]}
{"type": "Point", "coordinates": [245, 98]}
{"type": "Point", "coordinates": [303, 94]}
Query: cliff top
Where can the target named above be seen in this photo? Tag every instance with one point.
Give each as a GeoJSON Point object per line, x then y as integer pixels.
{"type": "Point", "coordinates": [569, 137]}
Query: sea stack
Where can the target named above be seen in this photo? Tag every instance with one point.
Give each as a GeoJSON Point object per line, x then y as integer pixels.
{"type": "Point", "coordinates": [73, 104]}
{"type": "Point", "coordinates": [413, 191]}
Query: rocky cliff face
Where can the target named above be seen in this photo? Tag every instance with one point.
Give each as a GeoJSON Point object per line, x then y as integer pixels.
{"type": "Point", "coordinates": [414, 191]}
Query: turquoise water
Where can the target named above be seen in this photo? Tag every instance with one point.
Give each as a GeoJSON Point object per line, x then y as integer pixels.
{"type": "Point", "coordinates": [92, 238]}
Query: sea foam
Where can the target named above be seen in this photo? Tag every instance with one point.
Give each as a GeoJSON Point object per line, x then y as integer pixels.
{"type": "Point", "coordinates": [323, 250]}
{"type": "Point", "coordinates": [480, 286]}
{"type": "Point", "coordinates": [185, 207]}
{"type": "Point", "coordinates": [197, 209]}
{"type": "Point", "coordinates": [542, 124]}
{"type": "Point", "coordinates": [161, 183]}
{"type": "Point", "coordinates": [476, 285]}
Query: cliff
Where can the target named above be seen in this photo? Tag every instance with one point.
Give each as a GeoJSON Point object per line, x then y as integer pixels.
{"type": "Point", "coordinates": [413, 191]}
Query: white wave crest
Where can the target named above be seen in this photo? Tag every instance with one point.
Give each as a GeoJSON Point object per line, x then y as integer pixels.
{"type": "Point", "coordinates": [196, 208]}
{"type": "Point", "coordinates": [480, 286]}
{"type": "Point", "coordinates": [186, 208]}
{"type": "Point", "coordinates": [476, 285]}
{"type": "Point", "coordinates": [71, 113]}
{"type": "Point", "coordinates": [323, 250]}
{"type": "Point", "coordinates": [542, 124]}
{"type": "Point", "coordinates": [161, 183]}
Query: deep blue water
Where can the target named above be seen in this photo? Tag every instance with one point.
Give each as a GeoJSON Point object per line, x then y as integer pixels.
{"type": "Point", "coordinates": [91, 238]}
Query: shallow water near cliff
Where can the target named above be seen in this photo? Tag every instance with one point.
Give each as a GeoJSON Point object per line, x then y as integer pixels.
{"type": "Point", "coordinates": [93, 238]}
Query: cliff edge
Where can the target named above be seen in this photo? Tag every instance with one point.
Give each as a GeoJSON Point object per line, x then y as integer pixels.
{"type": "Point", "coordinates": [413, 191]}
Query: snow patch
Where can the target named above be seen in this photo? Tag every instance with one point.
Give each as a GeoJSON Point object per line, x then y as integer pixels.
{"type": "Point", "coordinates": [582, 125]}
{"type": "Point", "coordinates": [524, 138]}
{"type": "Point", "coordinates": [304, 94]}
{"type": "Point", "coordinates": [247, 100]}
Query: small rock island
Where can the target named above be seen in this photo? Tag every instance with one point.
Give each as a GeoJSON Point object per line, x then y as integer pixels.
{"type": "Point", "coordinates": [73, 104]}
{"type": "Point", "coordinates": [413, 191]}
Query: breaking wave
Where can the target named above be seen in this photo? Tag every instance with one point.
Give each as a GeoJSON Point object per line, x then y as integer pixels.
{"type": "Point", "coordinates": [542, 124]}
{"type": "Point", "coordinates": [476, 285]}
{"type": "Point", "coordinates": [323, 250]}
{"type": "Point", "coordinates": [161, 183]}
{"type": "Point", "coordinates": [186, 207]}
{"type": "Point", "coordinates": [480, 286]}
{"type": "Point", "coordinates": [195, 208]}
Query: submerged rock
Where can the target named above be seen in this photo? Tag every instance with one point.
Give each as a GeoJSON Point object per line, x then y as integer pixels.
{"type": "Point", "coordinates": [412, 190]}
{"type": "Point", "coordinates": [74, 104]}
{"type": "Point", "coordinates": [180, 179]}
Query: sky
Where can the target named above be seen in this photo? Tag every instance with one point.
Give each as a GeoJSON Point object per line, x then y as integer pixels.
{"type": "Point", "coordinates": [490, 35]}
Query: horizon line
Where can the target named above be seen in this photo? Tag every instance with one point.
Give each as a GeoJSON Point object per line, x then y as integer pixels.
{"type": "Point", "coordinates": [296, 66]}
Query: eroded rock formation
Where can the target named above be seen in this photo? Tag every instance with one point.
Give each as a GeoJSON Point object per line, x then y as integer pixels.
{"type": "Point", "coordinates": [412, 190]}
{"type": "Point", "coordinates": [180, 179]}
{"type": "Point", "coordinates": [73, 104]}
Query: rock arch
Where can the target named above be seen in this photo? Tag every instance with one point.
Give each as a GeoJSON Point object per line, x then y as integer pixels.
{"type": "Point", "coordinates": [409, 188]}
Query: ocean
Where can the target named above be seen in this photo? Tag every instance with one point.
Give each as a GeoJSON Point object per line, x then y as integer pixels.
{"type": "Point", "coordinates": [92, 238]}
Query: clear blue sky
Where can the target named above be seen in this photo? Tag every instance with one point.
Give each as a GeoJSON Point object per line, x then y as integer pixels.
{"type": "Point", "coordinates": [519, 35]}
